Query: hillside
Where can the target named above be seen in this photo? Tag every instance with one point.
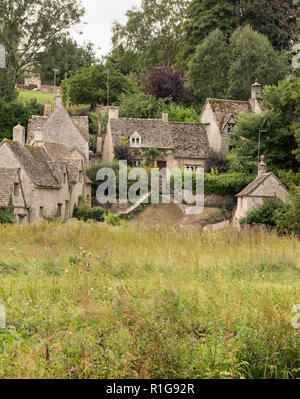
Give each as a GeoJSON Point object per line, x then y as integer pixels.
{"type": "Point", "coordinates": [93, 301]}
{"type": "Point", "coordinates": [42, 98]}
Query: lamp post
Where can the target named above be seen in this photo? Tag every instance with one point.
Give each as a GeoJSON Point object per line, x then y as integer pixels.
{"type": "Point", "coordinates": [56, 71]}
{"type": "Point", "coordinates": [259, 141]}
{"type": "Point", "coordinates": [108, 72]}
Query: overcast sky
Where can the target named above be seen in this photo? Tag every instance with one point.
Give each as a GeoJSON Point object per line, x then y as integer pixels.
{"type": "Point", "coordinates": [99, 17]}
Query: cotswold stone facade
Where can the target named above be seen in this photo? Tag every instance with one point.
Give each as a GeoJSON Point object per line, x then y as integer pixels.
{"type": "Point", "coordinates": [44, 177]}
{"type": "Point", "coordinates": [219, 117]}
{"type": "Point", "coordinates": [179, 145]}
{"type": "Point", "coordinates": [265, 186]}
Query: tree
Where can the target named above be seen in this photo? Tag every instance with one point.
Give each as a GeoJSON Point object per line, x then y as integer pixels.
{"type": "Point", "coordinates": [252, 57]}
{"type": "Point", "coordinates": [28, 26]}
{"type": "Point", "coordinates": [282, 114]}
{"type": "Point", "coordinates": [141, 105]}
{"type": "Point", "coordinates": [89, 86]}
{"type": "Point", "coordinates": [208, 68]}
{"type": "Point", "coordinates": [162, 82]}
{"type": "Point", "coordinates": [151, 34]}
{"type": "Point", "coordinates": [66, 56]}
{"type": "Point", "coordinates": [7, 86]}
{"type": "Point", "coordinates": [275, 18]}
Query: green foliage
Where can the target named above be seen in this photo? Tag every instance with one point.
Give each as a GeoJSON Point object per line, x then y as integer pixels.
{"type": "Point", "coordinates": [141, 105]}
{"type": "Point", "coordinates": [289, 178]}
{"type": "Point", "coordinates": [289, 218]}
{"type": "Point", "coordinates": [7, 214]}
{"type": "Point", "coordinates": [93, 143]}
{"type": "Point", "coordinates": [113, 219]}
{"type": "Point", "coordinates": [94, 119]}
{"type": "Point", "coordinates": [85, 212]}
{"type": "Point", "coordinates": [65, 55]}
{"type": "Point", "coordinates": [89, 86]}
{"type": "Point", "coordinates": [27, 27]}
{"type": "Point", "coordinates": [7, 86]}
{"type": "Point", "coordinates": [225, 183]}
{"type": "Point", "coordinates": [274, 18]}
{"type": "Point", "coordinates": [252, 56]}
{"type": "Point", "coordinates": [15, 112]}
{"type": "Point", "coordinates": [264, 214]}
{"type": "Point", "coordinates": [93, 167]}
{"type": "Point", "coordinates": [178, 113]}
{"type": "Point", "coordinates": [151, 35]}
{"type": "Point", "coordinates": [279, 143]}
{"type": "Point", "coordinates": [208, 68]}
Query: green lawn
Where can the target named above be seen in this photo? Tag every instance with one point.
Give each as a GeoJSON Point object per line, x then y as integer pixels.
{"type": "Point", "coordinates": [42, 98]}
{"type": "Point", "coordinates": [86, 300]}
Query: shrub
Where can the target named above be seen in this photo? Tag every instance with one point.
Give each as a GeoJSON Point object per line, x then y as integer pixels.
{"type": "Point", "coordinates": [264, 214]}
{"type": "Point", "coordinates": [216, 161]}
{"type": "Point", "coordinates": [288, 218]}
{"type": "Point", "coordinates": [86, 212]}
{"type": "Point", "coordinates": [7, 214]}
{"type": "Point", "coordinates": [113, 219]}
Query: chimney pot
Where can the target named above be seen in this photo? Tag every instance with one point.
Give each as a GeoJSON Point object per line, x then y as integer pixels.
{"type": "Point", "coordinates": [47, 109]}
{"type": "Point", "coordinates": [113, 113]}
{"type": "Point", "coordinates": [262, 167]}
{"type": "Point", "coordinates": [57, 99]}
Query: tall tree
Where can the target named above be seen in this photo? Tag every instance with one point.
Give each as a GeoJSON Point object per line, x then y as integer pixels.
{"type": "Point", "coordinates": [152, 33]}
{"type": "Point", "coordinates": [280, 121]}
{"type": "Point", "coordinates": [28, 26]}
{"type": "Point", "coordinates": [163, 82]}
{"type": "Point", "coordinates": [208, 68]}
{"type": "Point", "coordinates": [89, 86]}
{"type": "Point", "coordinates": [252, 57]}
{"type": "Point", "coordinates": [275, 18]}
{"type": "Point", "coordinates": [66, 56]}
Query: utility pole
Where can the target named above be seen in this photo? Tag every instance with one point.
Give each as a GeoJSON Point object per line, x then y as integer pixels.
{"type": "Point", "coordinates": [108, 72]}
{"type": "Point", "coordinates": [259, 142]}
{"type": "Point", "coordinates": [56, 71]}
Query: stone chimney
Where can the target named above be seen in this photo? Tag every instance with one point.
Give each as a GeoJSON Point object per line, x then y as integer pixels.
{"type": "Point", "coordinates": [113, 113]}
{"type": "Point", "coordinates": [47, 109]}
{"type": "Point", "coordinates": [165, 117]}
{"type": "Point", "coordinates": [19, 134]}
{"type": "Point", "coordinates": [256, 90]}
{"type": "Point", "coordinates": [262, 167]}
{"type": "Point", "coordinates": [57, 98]}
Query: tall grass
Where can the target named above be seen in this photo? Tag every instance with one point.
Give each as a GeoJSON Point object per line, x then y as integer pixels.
{"type": "Point", "coordinates": [86, 300]}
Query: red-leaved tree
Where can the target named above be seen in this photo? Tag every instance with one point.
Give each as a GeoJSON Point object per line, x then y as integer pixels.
{"type": "Point", "coordinates": [162, 82]}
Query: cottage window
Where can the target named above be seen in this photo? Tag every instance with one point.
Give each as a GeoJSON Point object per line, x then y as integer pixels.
{"type": "Point", "coordinates": [59, 209]}
{"type": "Point", "coordinates": [135, 140]}
{"type": "Point", "coordinates": [207, 127]}
{"type": "Point", "coordinates": [137, 163]}
{"type": "Point", "coordinates": [193, 168]}
{"type": "Point", "coordinates": [16, 188]}
{"type": "Point", "coordinates": [41, 211]}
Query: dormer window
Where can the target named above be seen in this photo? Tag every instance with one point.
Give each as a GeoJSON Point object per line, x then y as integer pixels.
{"type": "Point", "coordinates": [230, 128]}
{"type": "Point", "coordinates": [135, 140]}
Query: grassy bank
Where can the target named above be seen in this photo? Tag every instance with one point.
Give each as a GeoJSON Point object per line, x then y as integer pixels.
{"type": "Point", "coordinates": [28, 95]}
{"type": "Point", "coordinates": [160, 303]}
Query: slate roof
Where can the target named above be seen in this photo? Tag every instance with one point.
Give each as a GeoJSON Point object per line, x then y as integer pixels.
{"type": "Point", "coordinates": [35, 161]}
{"type": "Point", "coordinates": [188, 140]}
{"type": "Point", "coordinates": [56, 151]}
{"type": "Point", "coordinates": [7, 179]}
{"type": "Point", "coordinates": [225, 109]}
{"type": "Point", "coordinates": [256, 183]}
{"type": "Point", "coordinates": [81, 123]}
{"type": "Point", "coordinates": [154, 132]}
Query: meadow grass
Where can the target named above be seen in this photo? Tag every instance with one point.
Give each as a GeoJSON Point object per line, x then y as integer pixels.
{"type": "Point", "coordinates": [86, 300]}
{"type": "Point", "coordinates": [28, 95]}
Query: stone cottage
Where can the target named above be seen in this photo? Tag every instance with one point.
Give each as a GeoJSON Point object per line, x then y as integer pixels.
{"type": "Point", "coordinates": [264, 186]}
{"type": "Point", "coordinates": [178, 145]}
{"type": "Point", "coordinates": [56, 125]}
{"type": "Point", "coordinates": [219, 117]}
{"type": "Point", "coordinates": [45, 178]}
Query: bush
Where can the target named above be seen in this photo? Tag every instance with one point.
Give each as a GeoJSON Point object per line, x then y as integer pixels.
{"type": "Point", "coordinates": [86, 212]}
{"type": "Point", "coordinates": [288, 219]}
{"type": "Point", "coordinates": [7, 214]}
{"type": "Point", "coordinates": [264, 214]}
{"type": "Point", "coordinates": [216, 161]}
{"type": "Point", "coordinates": [113, 219]}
